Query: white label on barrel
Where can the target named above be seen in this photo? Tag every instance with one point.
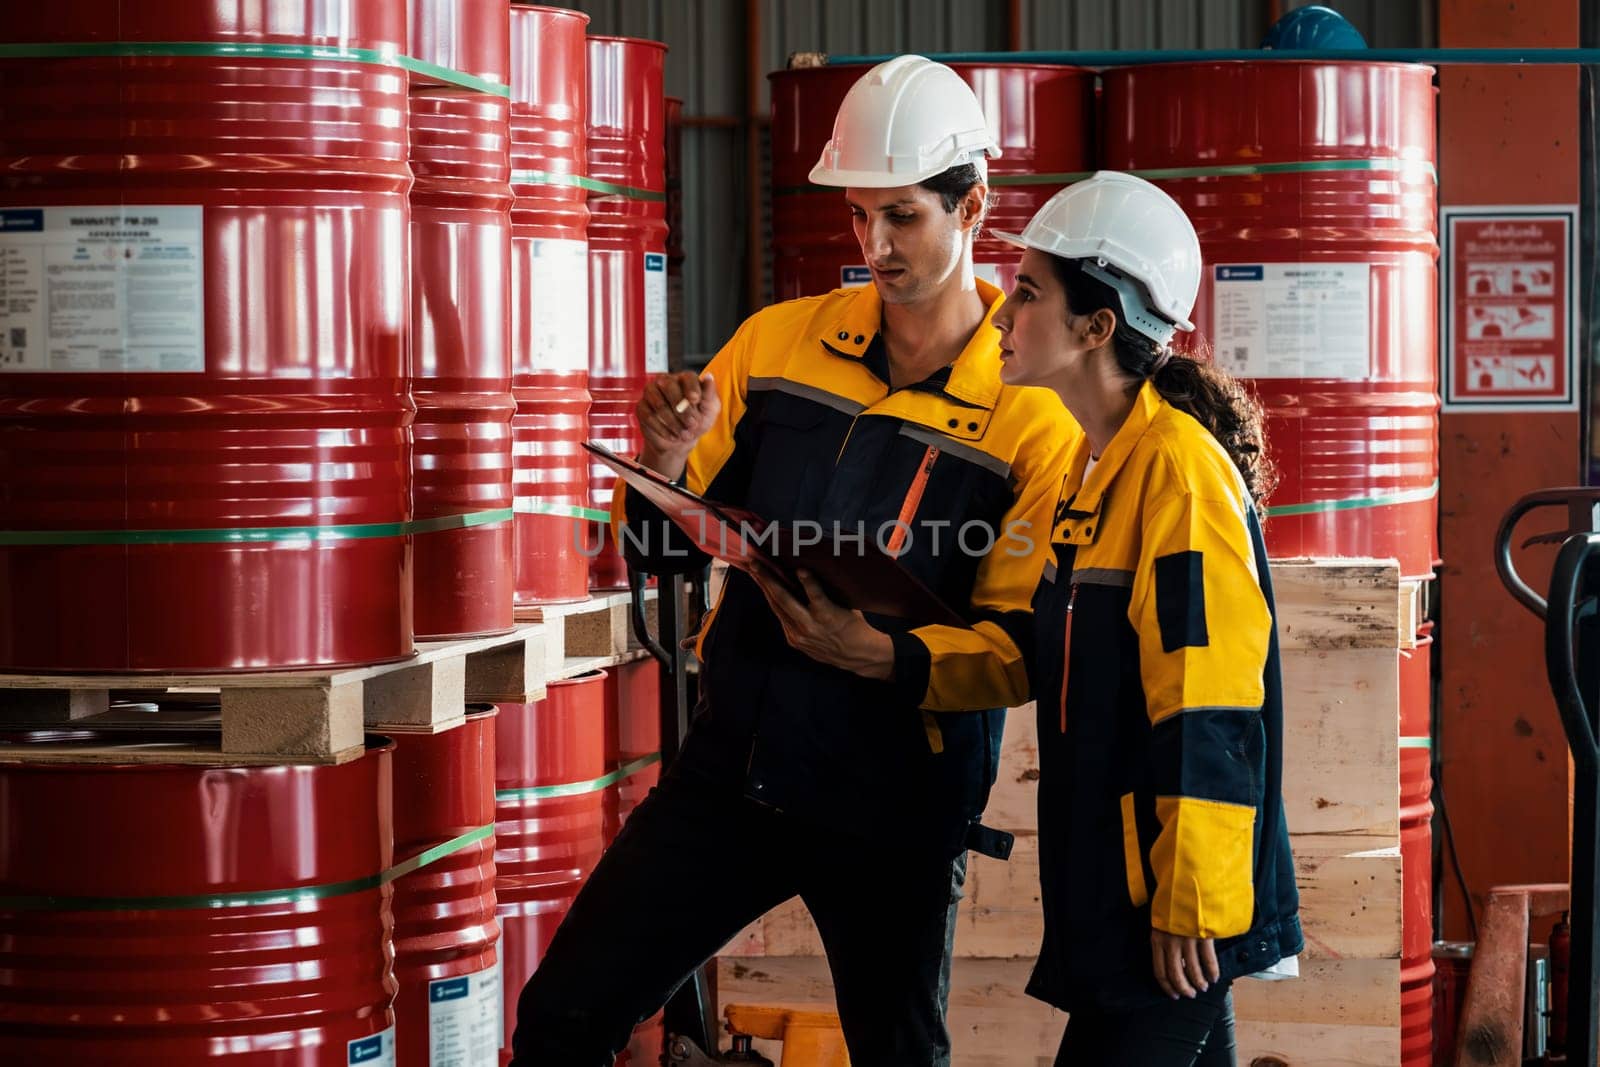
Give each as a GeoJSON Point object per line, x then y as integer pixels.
{"type": "Point", "coordinates": [655, 313]}
{"type": "Point", "coordinates": [374, 1051]}
{"type": "Point", "coordinates": [1292, 320]}
{"type": "Point", "coordinates": [558, 305]}
{"type": "Point", "coordinates": [464, 1020]}
{"type": "Point", "coordinates": [104, 290]}
{"type": "Point", "coordinates": [497, 976]}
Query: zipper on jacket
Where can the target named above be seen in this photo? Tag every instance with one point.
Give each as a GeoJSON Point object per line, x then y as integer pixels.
{"type": "Point", "coordinates": [1066, 652]}
{"type": "Point", "coordinates": [908, 506]}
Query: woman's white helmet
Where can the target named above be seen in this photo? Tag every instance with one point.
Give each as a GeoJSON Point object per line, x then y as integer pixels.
{"type": "Point", "coordinates": [902, 122]}
{"type": "Point", "coordinates": [1130, 235]}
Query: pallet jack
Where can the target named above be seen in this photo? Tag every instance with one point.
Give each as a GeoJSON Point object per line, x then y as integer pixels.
{"type": "Point", "coordinates": [1492, 1023]}
{"type": "Point", "coordinates": [690, 1016]}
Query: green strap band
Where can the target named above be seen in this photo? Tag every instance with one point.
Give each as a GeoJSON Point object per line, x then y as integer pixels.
{"type": "Point", "coordinates": [593, 185]}
{"type": "Point", "coordinates": [256, 899]}
{"type": "Point", "coordinates": [254, 534]}
{"type": "Point", "coordinates": [1318, 507]}
{"type": "Point", "coordinates": [1310, 166]}
{"type": "Point", "coordinates": [565, 511]}
{"type": "Point", "coordinates": [1416, 742]}
{"type": "Point", "coordinates": [454, 77]}
{"type": "Point", "coordinates": [459, 522]}
{"type": "Point", "coordinates": [577, 789]}
{"type": "Point", "coordinates": [1221, 170]}
{"type": "Point", "coordinates": [182, 49]}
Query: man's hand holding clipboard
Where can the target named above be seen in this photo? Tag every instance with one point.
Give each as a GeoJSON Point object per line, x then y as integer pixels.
{"type": "Point", "coordinates": [861, 576]}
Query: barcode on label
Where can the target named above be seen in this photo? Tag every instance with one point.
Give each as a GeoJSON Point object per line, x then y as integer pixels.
{"type": "Point", "coordinates": [1240, 353]}
{"type": "Point", "coordinates": [19, 337]}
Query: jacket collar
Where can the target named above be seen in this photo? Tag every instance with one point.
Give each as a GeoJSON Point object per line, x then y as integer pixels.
{"type": "Point", "coordinates": [1083, 506]}
{"type": "Point", "coordinates": [975, 374]}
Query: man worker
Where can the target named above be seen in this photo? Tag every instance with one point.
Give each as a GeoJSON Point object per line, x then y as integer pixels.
{"type": "Point", "coordinates": [836, 757]}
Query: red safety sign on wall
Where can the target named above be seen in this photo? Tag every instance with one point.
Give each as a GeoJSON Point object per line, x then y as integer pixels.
{"type": "Point", "coordinates": [1510, 281]}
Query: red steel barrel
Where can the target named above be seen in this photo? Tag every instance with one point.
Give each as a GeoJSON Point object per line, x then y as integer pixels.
{"type": "Point", "coordinates": [1041, 114]}
{"type": "Point", "coordinates": [1312, 187]}
{"type": "Point", "coordinates": [550, 301]}
{"type": "Point", "coordinates": [549, 824]}
{"type": "Point", "coordinates": [627, 255]}
{"type": "Point", "coordinates": [633, 738]}
{"type": "Point", "coordinates": [461, 321]}
{"type": "Point", "coordinates": [675, 253]}
{"type": "Point", "coordinates": [227, 915]}
{"type": "Point", "coordinates": [1416, 852]}
{"type": "Point", "coordinates": [1453, 966]}
{"type": "Point", "coordinates": [203, 411]}
{"type": "Point", "coordinates": [448, 1009]}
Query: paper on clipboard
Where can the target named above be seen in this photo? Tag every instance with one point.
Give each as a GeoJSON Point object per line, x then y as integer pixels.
{"type": "Point", "coordinates": [865, 577]}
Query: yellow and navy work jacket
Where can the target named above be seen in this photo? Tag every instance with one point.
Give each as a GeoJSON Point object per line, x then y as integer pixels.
{"type": "Point", "coordinates": [1161, 743]}
{"type": "Point", "coordinates": [964, 473]}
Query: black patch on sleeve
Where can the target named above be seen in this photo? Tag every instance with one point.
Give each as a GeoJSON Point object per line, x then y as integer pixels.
{"type": "Point", "coordinates": [1181, 600]}
{"type": "Point", "coordinates": [912, 665]}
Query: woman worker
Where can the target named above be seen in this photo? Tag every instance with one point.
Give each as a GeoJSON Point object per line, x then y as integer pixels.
{"type": "Point", "coordinates": [1164, 855]}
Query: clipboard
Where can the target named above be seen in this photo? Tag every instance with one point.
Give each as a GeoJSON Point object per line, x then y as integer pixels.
{"type": "Point", "coordinates": [857, 574]}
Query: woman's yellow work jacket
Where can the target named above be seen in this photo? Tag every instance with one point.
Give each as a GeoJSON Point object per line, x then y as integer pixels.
{"type": "Point", "coordinates": [1161, 746]}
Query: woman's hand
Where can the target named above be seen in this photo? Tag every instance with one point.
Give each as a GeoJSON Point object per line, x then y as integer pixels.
{"type": "Point", "coordinates": [1184, 966]}
{"type": "Point", "coordinates": [827, 632]}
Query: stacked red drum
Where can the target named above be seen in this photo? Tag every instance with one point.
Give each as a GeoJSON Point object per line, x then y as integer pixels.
{"type": "Point", "coordinates": [448, 1007]}
{"type": "Point", "coordinates": [627, 254]}
{"type": "Point", "coordinates": [203, 404]}
{"type": "Point", "coordinates": [550, 761]}
{"type": "Point", "coordinates": [460, 321]}
{"type": "Point", "coordinates": [550, 302]}
{"type": "Point", "coordinates": [194, 915]}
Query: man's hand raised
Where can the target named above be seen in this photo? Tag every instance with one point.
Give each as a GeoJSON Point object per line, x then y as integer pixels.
{"type": "Point", "coordinates": [675, 410]}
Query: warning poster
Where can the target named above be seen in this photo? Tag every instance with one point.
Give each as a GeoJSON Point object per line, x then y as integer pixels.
{"type": "Point", "coordinates": [1507, 335]}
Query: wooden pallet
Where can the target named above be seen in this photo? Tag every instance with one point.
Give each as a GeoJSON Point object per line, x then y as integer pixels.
{"type": "Point", "coordinates": [588, 634]}
{"type": "Point", "coordinates": [316, 715]}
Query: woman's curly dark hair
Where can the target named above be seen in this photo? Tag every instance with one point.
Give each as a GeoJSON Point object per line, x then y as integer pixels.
{"type": "Point", "coordinates": [1216, 399]}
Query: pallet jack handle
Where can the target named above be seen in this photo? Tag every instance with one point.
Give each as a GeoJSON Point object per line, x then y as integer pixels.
{"type": "Point", "coordinates": [1572, 618]}
{"type": "Point", "coordinates": [1582, 504]}
{"type": "Point", "coordinates": [691, 1012]}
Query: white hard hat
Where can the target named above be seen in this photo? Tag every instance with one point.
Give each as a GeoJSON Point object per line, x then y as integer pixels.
{"type": "Point", "coordinates": [1131, 236]}
{"type": "Point", "coordinates": [902, 122]}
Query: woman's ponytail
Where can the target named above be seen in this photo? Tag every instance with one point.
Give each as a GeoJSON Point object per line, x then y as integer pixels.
{"type": "Point", "coordinates": [1213, 397]}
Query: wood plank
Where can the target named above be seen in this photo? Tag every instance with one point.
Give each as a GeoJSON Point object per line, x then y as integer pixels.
{"type": "Point", "coordinates": [513, 673]}
{"type": "Point", "coordinates": [1328, 992]}
{"type": "Point", "coordinates": [1341, 763]}
{"type": "Point", "coordinates": [1328, 604]}
{"type": "Point", "coordinates": [571, 668]}
{"type": "Point", "coordinates": [1351, 906]}
{"type": "Point", "coordinates": [1014, 800]}
{"type": "Point", "coordinates": [1263, 1044]}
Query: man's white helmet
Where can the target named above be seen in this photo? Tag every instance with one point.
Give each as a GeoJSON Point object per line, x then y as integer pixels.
{"type": "Point", "coordinates": [902, 122]}
{"type": "Point", "coordinates": [1130, 235]}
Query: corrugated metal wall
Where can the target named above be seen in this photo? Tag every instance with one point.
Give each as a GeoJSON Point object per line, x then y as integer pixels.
{"type": "Point", "coordinates": [706, 67]}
